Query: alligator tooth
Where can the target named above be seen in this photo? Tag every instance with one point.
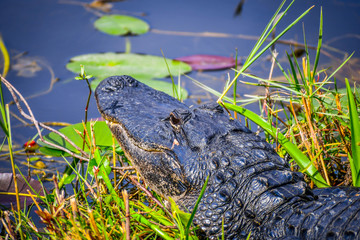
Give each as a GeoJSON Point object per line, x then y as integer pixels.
{"type": "Point", "coordinates": [175, 143]}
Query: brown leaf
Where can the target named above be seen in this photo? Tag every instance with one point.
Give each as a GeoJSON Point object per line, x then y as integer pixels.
{"type": "Point", "coordinates": [7, 186]}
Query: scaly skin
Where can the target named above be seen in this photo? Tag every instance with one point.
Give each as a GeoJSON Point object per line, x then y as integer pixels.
{"type": "Point", "coordinates": [176, 147]}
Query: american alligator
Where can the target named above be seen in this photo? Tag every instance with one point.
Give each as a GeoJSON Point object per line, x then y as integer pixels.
{"type": "Point", "coordinates": [176, 147]}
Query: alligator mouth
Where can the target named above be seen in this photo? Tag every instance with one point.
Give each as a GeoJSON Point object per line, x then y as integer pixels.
{"type": "Point", "coordinates": [148, 147]}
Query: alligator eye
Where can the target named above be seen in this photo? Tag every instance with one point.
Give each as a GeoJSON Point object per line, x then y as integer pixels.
{"type": "Point", "coordinates": [175, 121]}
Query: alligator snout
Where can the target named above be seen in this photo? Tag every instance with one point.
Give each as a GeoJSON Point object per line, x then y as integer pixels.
{"type": "Point", "coordinates": [115, 83]}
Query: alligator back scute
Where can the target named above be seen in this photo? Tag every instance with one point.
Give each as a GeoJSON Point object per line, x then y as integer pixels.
{"type": "Point", "coordinates": [248, 182]}
{"type": "Point", "coordinates": [345, 212]}
{"type": "Point", "coordinates": [333, 214]}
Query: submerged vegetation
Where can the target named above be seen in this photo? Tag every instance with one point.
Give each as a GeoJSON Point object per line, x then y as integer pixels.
{"type": "Point", "coordinates": [101, 196]}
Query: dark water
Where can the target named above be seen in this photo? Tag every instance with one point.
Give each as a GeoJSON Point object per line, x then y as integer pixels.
{"type": "Point", "coordinates": [51, 32]}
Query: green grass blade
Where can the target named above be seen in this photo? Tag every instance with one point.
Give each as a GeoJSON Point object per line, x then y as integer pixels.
{"type": "Point", "coordinates": [293, 71]}
{"type": "Point", "coordinates": [355, 137]}
{"type": "Point", "coordinates": [299, 70]}
{"type": "Point", "coordinates": [281, 34]}
{"type": "Point", "coordinates": [268, 29]}
{"type": "Point", "coordinates": [195, 208]}
{"type": "Point", "coordinates": [235, 84]}
{"type": "Point", "coordinates": [6, 57]}
{"type": "Point", "coordinates": [308, 79]}
{"type": "Point", "coordinates": [273, 83]}
{"type": "Point", "coordinates": [68, 171]}
{"type": "Point", "coordinates": [319, 43]}
{"type": "Point", "coordinates": [251, 60]}
{"type": "Point", "coordinates": [175, 93]}
{"type": "Point", "coordinates": [294, 152]}
{"type": "Point", "coordinates": [157, 215]}
{"type": "Point", "coordinates": [118, 200]}
{"type": "Point", "coordinates": [208, 89]}
{"type": "Point", "coordinates": [332, 74]}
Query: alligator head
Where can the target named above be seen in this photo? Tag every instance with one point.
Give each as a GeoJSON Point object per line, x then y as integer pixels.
{"type": "Point", "coordinates": [176, 147]}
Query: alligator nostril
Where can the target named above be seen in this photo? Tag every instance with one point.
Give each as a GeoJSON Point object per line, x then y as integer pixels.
{"type": "Point", "coordinates": [116, 82]}
{"type": "Point", "coordinates": [109, 89]}
{"type": "Point", "coordinates": [113, 84]}
{"type": "Point", "coordinates": [131, 81]}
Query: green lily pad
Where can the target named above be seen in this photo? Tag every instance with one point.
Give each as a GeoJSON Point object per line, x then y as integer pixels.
{"type": "Point", "coordinates": [142, 67]}
{"type": "Point", "coordinates": [136, 65]}
{"type": "Point", "coordinates": [52, 151]}
{"type": "Point", "coordinates": [102, 135]}
{"type": "Point", "coordinates": [121, 25]}
{"type": "Point", "coordinates": [105, 164]}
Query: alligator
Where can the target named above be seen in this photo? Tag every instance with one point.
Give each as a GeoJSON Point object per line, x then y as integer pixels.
{"type": "Point", "coordinates": [251, 190]}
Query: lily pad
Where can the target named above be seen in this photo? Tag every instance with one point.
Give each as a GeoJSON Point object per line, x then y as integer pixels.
{"type": "Point", "coordinates": [142, 67]}
{"type": "Point", "coordinates": [121, 25]}
{"type": "Point", "coordinates": [208, 62]}
{"type": "Point", "coordinates": [7, 186]}
{"type": "Point", "coordinates": [102, 135]}
{"type": "Point", "coordinates": [136, 65]}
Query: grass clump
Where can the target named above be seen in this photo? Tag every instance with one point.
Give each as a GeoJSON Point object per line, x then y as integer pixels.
{"type": "Point", "coordinates": [310, 111]}
{"type": "Point", "coordinates": [98, 204]}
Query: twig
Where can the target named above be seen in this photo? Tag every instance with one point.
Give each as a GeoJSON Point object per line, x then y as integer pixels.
{"type": "Point", "coordinates": [123, 168]}
{"type": "Point", "coordinates": [249, 37]}
{"type": "Point", "coordinates": [8, 225]}
{"type": "Point", "coordinates": [53, 80]}
{"type": "Point", "coordinates": [19, 118]}
{"type": "Point", "coordinates": [135, 182]}
{"type": "Point", "coordinates": [38, 124]}
{"type": "Point", "coordinates": [127, 213]}
{"type": "Point", "coordinates": [226, 35]}
{"type": "Point", "coordinates": [267, 90]}
{"type": "Point", "coordinates": [163, 226]}
{"type": "Point", "coordinates": [61, 124]}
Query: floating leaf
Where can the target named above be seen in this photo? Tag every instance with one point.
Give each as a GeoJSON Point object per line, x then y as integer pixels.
{"type": "Point", "coordinates": [100, 5]}
{"type": "Point", "coordinates": [30, 146]}
{"type": "Point", "coordinates": [53, 152]}
{"type": "Point", "coordinates": [68, 179]}
{"type": "Point", "coordinates": [26, 66]}
{"type": "Point", "coordinates": [136, 65]}
{"type": "Point", "coordinates": [121, 25]}
{"type": "Point", "coordinates": [40, 165]}
{"type": "Point", "coordinates": [208, 62]}
{"type": "Point", "coordinates": [102, 135]}
{"type": "Point", "coordinates": [142, 67]}
{"type": "Point", "coordinates": [7, 189]}
{"type": "Point", "coordinates": [105, 163]}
